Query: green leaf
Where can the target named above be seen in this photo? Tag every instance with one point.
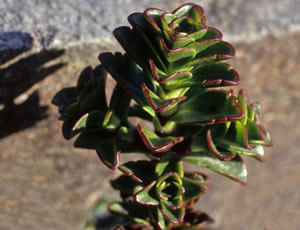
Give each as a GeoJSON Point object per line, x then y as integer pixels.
{"type": "Point", "coordinates": [256, 151]}
{"type": "Point", "coordinates": [145, 31]}
{"type": "Point", "coordinates": [267, 136]}
{"type": "Point", "coordinates": [174, 216]}
{"type": "Point", "coordinates": [130, 210]}
{"type": "Point", "coordinates": [187, 130]}
{"type": "Point", "coordinates": [211, 35]}
{"type": "Point", "coordinates": [137, 111]}
{"type": "Point", "coordinates": [169, 163]}
{"type": "Point", "coordinates": [153, 16]}
{"type": "Point", "coordinates": [126, 73]}
{"type": "Point", "coordinates": [85, 78]}
{"type": "Point", "coordinates": [255, 135]}
{"type": "Point", "coordinates": [108, 153]}
{"type": "Point", "coordinates": [173, 55]}
{"type": "Point", "coordinates": [141, 171]}
{"type": "Point", "coordinates": [126, 185]}
{"type": "Point", "coordinates": [222, 50]}
{"type": "Point", "coordinates": [64, 98]}
{"type": "Point", "coordinates": [213, 75]}
{"type": "Point", "coordinates": [130, 142]}
{"type": "Point", "coordinates": [219, 130]}
{"type": "Point", "coordinates": [197, 177]}
{"type": "Point", "coordinates": [224, 156]}
{"type": "Point", "coordinates": [92, 120]}
{"type": "Point", "coordinates": [204, 143]}
{"type": "Point", "coordinates": [257, 110]}
{"type": "Point", "coordinates": [202, 45]}
{"type": "Point", "coordinates": [218, 52]}
{"type": "Point", "coordinates": [68, 126]}
{"type": "Point", "coordinates": [71, 110]}
{"type": "Point", "coordinates": [162, 222]}
{"type": "Point", "coordinates": [193, 189]}
{"type": "Point", "coordinates": [190, 9]}
{"type": "Point", "coordinates": [92, 94]}
{"type": "Point", "coordinates": [89, 139]}
{"type": "Point", "coordinates": [119, 103]}
{"type": "Point", "coordinates": [177, 80]}
{"type": "Point", "coordinates": [165, 107]}
{"type": "Point", "coordinates": [251, 112]}
{"type": "Point", "coordinates": [111, 122]}
{"type": "Point", "coordinates": [233, 169]}
{"type": "Point", "coordinates": [208, 108]}
{"type": "Point", "coordinates": [155, 143]}
{"type": "Point", "coordinates": [172, 81]}
{"type": "Point", "coordinates": [238, 133]}
{"type": "Point", "coordinates": [147, 196]}
{"type": "Point", "coordinates": [242, 103]}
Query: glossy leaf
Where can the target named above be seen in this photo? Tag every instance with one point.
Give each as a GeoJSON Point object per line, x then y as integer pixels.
{"type": "Point", "coordinates": [89, 139]}
{"type": "Point", "coordinates": [197, 177]}
{"type": "Point", "coordinates": [174, 216]}
{"type": "Point", "coordinates": [119, 103]}
{"type": "Point", "coordinates": [169, 163]}
{"type": "Point", "coordinates": [93, 119]}
{"type": "Point", "coordinates": [162, 222]}
{"type": "Point", "coordinates": [147, 196]}
{"type": "Point", "coordinates": [65, 97]}
{"type": "Point", "coordinates": [208, 108]}
{"type": "Point", "coordinates": [193, 189]}
{"type": "Point", "coordinates": [130, 210]}
{"type": "Point", "coordinates": [233, 169]}
{"type": "Point", "coordinates": [126, 185]}
{"type": "Point", "coordinates": [216, 74]}
{"type": "Point", "coordinates": [126, 73]}
{"type": "Point", "coordinates": [164, 106]}
{"type": "Point", "coordinates": [141, 171]}
{"type": "Point", "coordinates": [190, 9]}
{"type": "Point", "coordinates": [242, 103]}
{"type": "Point", "coordinates": [256, 151]}
{"type": "Point", "coordinates": [238, 133]}
{"type": "Point", "coordinates": [173, 55]}
{"type": "Point", "coordinates": [155, 143]}
{"type": "Point", "coordinates": [108, 153]}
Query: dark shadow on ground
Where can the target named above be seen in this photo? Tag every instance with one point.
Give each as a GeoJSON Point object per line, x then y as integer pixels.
{"type": "Point", "coordinates": [12, 44]}
{"type": "Point", "coordinates": [15, 80]}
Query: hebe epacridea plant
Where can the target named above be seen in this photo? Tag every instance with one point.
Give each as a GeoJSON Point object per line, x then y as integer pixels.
{"type": "Point", "coordinates": [172, 68]}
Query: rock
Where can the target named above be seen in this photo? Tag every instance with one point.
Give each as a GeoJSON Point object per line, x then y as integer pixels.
{"type": "Point", "coordinates": [63, 23]}
{"type": "Point", "coordinates": [12, 44]}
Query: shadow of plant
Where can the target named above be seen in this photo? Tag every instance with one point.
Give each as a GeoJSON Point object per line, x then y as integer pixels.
{"type": "Point", "coordinates": [13, 44]}
{"type": "Point", "coordinates": [15, 80]}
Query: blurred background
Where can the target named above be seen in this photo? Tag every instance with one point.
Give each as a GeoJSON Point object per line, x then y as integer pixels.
{"type": "Point", "coordinates": [44, 44]}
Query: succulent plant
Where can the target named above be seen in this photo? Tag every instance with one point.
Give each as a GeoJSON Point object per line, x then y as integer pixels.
{"type": "Point", "coordinates": [172, 69]}
{"type": "Point", "coordinates": [162, 187]}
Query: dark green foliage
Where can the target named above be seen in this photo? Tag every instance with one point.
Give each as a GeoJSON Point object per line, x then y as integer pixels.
{"type": "Point", "coordinates": [172, 70]}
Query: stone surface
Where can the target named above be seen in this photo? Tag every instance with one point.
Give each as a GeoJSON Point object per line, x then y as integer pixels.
{"type": "Point", "coordinates": [12, 44]}
{"type": "Point", "coordinates": [47, 184]}
{"type": "Point", "coordinates": [62, 23]}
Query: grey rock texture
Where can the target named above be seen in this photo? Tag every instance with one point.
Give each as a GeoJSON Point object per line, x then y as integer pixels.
{"type": "Point", "coordinates": [47, 184]}
{"type": "Point", "coordinates": [62, 23]}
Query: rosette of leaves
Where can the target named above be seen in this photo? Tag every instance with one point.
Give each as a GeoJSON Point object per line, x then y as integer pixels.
{"type": "Point", "coordinates": [169, 54]}
{"type": "Point", "coordinates": [159, 189]}
{"type": "Point", "coordinates": [85, 111]}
